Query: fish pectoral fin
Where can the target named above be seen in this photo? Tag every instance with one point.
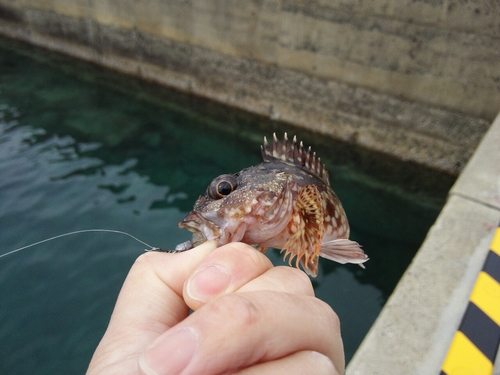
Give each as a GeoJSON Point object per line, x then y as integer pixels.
{"type": "Point", "coordinates": [307, 223]}
{"type": "Point", "coordinates": [343, 251]}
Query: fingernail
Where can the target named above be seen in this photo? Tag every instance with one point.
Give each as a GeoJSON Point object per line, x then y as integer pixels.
{"type": "Point", "coordinates": [171, 353]}
{"type": "Point", "coordinates": [208, 282]}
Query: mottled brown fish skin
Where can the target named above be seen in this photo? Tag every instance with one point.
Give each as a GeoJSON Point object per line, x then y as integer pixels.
{"type": "Point", "coordinates": [286, 202]}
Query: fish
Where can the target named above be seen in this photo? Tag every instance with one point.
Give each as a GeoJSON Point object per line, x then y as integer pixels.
{"type": "Point", "coordinates": [286, 202]}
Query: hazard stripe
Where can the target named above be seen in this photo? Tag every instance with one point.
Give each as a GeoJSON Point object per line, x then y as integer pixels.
{"type": "Point", "coordinates": [486, 296]}
{"type": "Point", "coordinates": [481, 330]}
{"type": "Point", "coordinates": [492, 266]}
{"type": "Point", "coordinates": [465, 358]}
{"type": "Point", "coordinates": [475, 344]}
{"type": "Point", "coordinates": [495, 244]}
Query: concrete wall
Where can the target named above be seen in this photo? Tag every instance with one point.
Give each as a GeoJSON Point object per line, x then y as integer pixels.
{"type": "Point", "coordinates": [417, 79]}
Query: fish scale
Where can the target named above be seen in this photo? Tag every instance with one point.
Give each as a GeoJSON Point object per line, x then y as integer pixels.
{"type": "Point", "coordinates": [285, 202]}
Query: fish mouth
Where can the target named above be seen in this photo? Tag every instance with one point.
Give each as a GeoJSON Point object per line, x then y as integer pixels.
{"type": "Point", "coordinates": [203, 227]}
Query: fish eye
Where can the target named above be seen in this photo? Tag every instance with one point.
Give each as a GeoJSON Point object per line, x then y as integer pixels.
{"type": "Point", "coordinates": [222, 186]}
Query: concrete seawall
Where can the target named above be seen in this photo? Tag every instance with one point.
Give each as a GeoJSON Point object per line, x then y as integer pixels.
{"type": "Point", "coordinates": [414, 331]}
{"type": "Point", "coordinates": [418, 80]}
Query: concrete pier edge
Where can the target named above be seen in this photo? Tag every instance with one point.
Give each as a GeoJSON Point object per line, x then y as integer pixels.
{"type": "Point", "coordinates": [413, 333]}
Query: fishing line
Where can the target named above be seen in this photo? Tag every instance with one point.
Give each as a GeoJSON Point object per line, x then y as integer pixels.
{"type": "Point", "coordinates": [151, 248]}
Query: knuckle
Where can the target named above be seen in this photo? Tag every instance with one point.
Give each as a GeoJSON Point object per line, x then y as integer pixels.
{"type": "Point", "coordinates": [143, 262]}
{"type": "Point", "coordinates": [145, 265]}
{"type": "Point", "coordinates": [294, 280]}
{"type": "Point", "coordinates": [321, 363]}
{"type": "Point", "coordinates": [242, 311]}
{"type": "Point", "coordinates": [243, 253]}
{"type": "Point", "coordinates": [332, 319]}
{"type": "Point", "coordinates": [303, 281]}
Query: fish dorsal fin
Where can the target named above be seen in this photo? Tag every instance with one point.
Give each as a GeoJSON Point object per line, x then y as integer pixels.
{"type": "Point", "coordinates": [295, 154]}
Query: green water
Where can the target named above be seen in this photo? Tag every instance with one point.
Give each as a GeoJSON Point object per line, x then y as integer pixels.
{"type": "Point", "coordinates": [83, 148]}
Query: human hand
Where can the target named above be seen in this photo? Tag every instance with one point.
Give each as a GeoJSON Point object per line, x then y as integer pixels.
{"type": "Point", "coordinates": [249, 318]}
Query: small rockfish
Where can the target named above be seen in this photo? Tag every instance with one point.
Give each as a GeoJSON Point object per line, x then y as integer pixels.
{"type": "Point", "coordinates": [286, 202]}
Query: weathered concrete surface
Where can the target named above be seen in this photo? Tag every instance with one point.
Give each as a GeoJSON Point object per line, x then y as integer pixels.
{"type": "Point", "coordinates": [418, 56]}
{"type": "Point", "coordinates": [480, 180]}
{"type": "Point", "coordinates": [413, 333]}
{"type": "Point", "coordinates": [423, 50]}
{"type": "Point", "coordinates": [410, 78]}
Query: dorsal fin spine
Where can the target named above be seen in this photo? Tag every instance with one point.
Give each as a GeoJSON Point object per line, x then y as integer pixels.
{"type": "Point", "coordinates": [295, 154]}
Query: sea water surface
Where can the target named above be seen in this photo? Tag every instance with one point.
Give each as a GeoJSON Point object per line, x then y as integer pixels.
{"type": "Point", "coordinates": [82, 148]}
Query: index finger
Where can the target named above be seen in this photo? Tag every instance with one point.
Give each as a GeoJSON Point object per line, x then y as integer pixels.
{"type": "Point", "coordinates": [153, 288]}
{"type": "Point", "coordinates": [149, 303]}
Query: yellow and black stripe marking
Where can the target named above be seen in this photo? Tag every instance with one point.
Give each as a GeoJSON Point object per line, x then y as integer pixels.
{"type": "Point", "coordinates": [474, 347]}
